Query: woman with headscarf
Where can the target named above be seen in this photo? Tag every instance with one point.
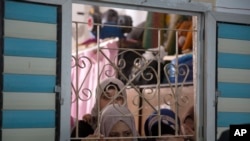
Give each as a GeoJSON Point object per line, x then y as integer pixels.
{"type": "Point", "coordinates": [168, 126]}
{"type": "Point", "coordinates": [117, 122]}
{"type": "Point", "coordinates": [110, 90]}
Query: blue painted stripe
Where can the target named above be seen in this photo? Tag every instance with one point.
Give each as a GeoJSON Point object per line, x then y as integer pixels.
{"type": "Point", "coordinates": [29, 134]}
{"type": "Point", "coordinates": [28, 83]}
{"type": "Point", "coordinates": [28, 119]}
{"type": "Point", "coordinates": [30, 12]}
{"type": "Point", "coordinates": [234, 90]}
{"type": "Point", "coordinates": [29, 48]}
{"type": "Point", "coordinates": [234, 31]}
{"type": "Point", "coordinates": [237, 61]}
{"type": "Point", "coordinates": [224, 119]}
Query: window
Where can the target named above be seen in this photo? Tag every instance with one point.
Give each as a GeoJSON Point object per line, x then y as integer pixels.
{"type": "Point", "coordinates": [146, 62]}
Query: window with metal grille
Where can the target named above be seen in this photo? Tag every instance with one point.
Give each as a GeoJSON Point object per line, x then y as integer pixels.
{"type": "Point", "coordinates": [152, 60]}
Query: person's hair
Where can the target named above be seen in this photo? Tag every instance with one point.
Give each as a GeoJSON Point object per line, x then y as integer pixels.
{"type": "Point", "coordinates": [124, 20]}
{"type": "Point", "coordinates": [97, 19]}
{"type": "Point", "coordinates": [110, 15]}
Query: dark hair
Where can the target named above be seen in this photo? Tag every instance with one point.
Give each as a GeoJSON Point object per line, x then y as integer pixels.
{"type": "Point", "coordinates": [97, 19]}
{"type": "Point", "coordinates": [125, 20]}
{"type": "Point", "coordinates": [110, 15]}
{"type": "Point", "coordinates": [164, 129]}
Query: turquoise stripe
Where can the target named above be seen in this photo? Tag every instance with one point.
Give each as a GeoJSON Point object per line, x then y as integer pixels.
{"type": "Point", "coordinates": [28, 119]}
{"type": "Point", "coordinates": [30, 12]}
{"type": "Point", "coordinates": [224, 119]}
{"type": "Point", "coordinates": [234, 90]}
{"type": "Point", "coordinates": [233, 31]}
{"type": "Point", "coordinates": [28, 83]}
{"type": "Point", "coordinates": [237, 61]}
{"type": "Point", "coordinates": [29, 48]}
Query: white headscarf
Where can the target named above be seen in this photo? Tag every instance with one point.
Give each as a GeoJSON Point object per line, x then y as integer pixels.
{"type": "Point", "coordinates": [113, 113]}
{"type": "Point", "coordinates": [108, 82]}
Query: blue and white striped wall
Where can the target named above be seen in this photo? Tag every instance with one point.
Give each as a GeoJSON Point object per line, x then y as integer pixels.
{"type": "Point", "coordinates": [29, 71]}
{"type": "Point", "coordinates": [233, 75]}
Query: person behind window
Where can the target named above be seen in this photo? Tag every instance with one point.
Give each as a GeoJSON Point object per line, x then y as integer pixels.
{"type": "Point", "coordinates": [116, 122]}
{"type": "Point", "coordinates": [167, 126]}
{"type": "Point", "coordinates": [110, 90]}
{"type": "Point", "coordinates": [110, 21]}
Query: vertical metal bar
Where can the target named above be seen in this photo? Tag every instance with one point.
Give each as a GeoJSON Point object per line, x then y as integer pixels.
{"type": "Point", "coordinates": [158, 80]}
{"type": "Point", "coordinates": [58, 71]}
{"type": "Point", "coordinates": [98, 79]}
{"type": "Point", "coordinates": [140, 112]}
{"type": "Point", "coordinates": [77, 80]}
{"type": "Point", "coordinates": [176, 83]}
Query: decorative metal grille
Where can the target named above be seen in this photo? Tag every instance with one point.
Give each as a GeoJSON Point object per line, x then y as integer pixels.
{"type": "Point", "coordinates": [150, 84]}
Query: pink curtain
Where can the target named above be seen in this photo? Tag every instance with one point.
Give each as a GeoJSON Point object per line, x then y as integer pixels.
{"type": "Point", "coordinates": [83, 95]}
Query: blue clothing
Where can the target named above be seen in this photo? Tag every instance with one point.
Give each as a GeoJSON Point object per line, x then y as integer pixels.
{"type": "Point", "coordinates": [111, 31]}
{"type": "Point", "coordinates": [188, 61]}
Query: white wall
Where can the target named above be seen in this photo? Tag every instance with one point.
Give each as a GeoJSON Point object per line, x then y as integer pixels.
{"type": "Point", "coordinates": [83, 30]}
{"type": "Point", "coordinates": [137, 16]}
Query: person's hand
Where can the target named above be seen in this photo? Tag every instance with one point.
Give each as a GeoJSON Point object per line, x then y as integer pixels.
{"type": "Point", "coordinates": [94, 138]}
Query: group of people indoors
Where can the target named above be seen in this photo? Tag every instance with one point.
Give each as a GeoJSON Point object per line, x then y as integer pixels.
{"type": "Point", "coordinates": [111, 119]}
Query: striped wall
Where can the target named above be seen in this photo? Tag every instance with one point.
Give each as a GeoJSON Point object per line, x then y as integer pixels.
{"type": "Point", "coordinates": [29, 71]}
{"type": "Point", "coordinates": [233, 75]}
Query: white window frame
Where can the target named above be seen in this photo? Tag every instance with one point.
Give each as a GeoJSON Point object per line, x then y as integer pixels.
{"type": "Point", "coordinates": [170, 6]}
